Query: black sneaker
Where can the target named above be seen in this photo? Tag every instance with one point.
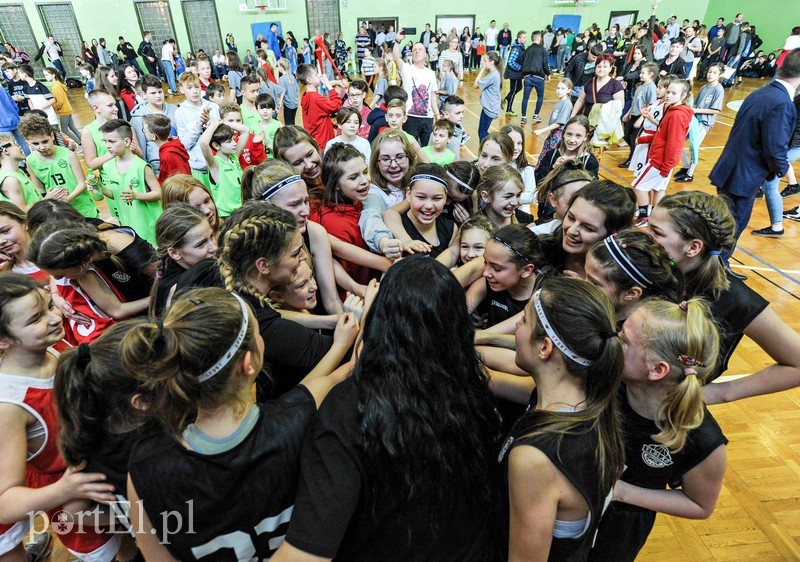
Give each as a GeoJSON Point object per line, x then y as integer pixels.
{"type": "Point", "coordinates": [793, 214]}
{"type": "Point", "coordinates": [625, 164]}
{"type": "Point", "coordinates": [39, 547]}
{"type": "Point", "coordinates": [768, 232]}
{"type": "Point", "coordinates": [680, 173]}
{"type": "Point", "coordinates": [793, 189]}
{"type": "Point", "coordinates": [760, 193]}
{"type": "Point", "coordinates": [684, 179]}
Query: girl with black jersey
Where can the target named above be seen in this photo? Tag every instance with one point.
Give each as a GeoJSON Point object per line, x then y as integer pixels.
{"type": "Point", "coordinates": [261, 247]}
{"type": "Point", "coordinates": [397, 463]}
{"type": "Point", "coordinates": [564, 455]}
{"type": "Point", "coordinates": [185, 238]}
{"type": "Point", "coordinates": [234, 469]}
{"type": "Point", "coordinates": [670, 437]}
{"type": "Point", "coordinates": [600, 208]}
{"type": "Point", "coordinates": [694, 228]}
{"type": "Point", "coordinates": [631, 266]}
{"type": "Point", "coordinates": [426, 196]}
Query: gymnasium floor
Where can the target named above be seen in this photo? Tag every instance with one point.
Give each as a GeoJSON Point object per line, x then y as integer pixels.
{"type": "Point", "coordinates": [758, 513]}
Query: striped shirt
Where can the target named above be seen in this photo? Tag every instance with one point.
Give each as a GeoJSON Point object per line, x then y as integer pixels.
{"type": "Point", "coordinates": [457, 60]}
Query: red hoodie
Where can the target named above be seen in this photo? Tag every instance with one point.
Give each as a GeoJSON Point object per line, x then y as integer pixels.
{"type": "Point", "coordinates": [173, 159]}
{"type": "Point", "coordinates": [317, 112]}
{"type": "Point", "coordinates": [667, 145]}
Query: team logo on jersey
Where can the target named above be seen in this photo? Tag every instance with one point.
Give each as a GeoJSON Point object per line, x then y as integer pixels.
{"type": "Point", "coordinates": [656, 455]}
{"type": "Point", "coordinates": [135, 183]}
{"type": "Point", "coordinates": [62, 163]}
{"type": "Point", "coordinates": [121, 276]}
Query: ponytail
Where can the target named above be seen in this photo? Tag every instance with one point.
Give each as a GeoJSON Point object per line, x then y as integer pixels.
{"type": "Point", "coordinates": [685, 337]}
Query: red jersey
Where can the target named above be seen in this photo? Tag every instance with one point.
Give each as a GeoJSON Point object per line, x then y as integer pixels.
{"type": "Point", "coordinates": [317, 112]}
{"type": "Point", "coordinates": [79, 333]}
{"type": "Point", "coordinates": [270, 73]}
{"type": "Point", "coordinates": [667, 145]}
{"type": "Point", "coordinates": [44, 465]}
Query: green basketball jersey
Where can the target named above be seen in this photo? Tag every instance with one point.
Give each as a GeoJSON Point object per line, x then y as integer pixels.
{"type": "Point", "coordinates": [141, 216]}
{"type": "Point", "coordinates": [100, 149]}
{"type": "Point", "coordinates": [29, 191]}
{"type": "Point", "coordinates": [269, 133]}
{"type": "Point", "coordinates": [251, 119]}
{"type": "Point", "coordinates": [441, 159]}
{"type": "Point", "coordinates": [227, 191]}
{"type": "Point", "coordinates": [56, 173]}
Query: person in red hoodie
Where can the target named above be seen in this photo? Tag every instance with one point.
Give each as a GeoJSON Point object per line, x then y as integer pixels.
{"type": "Point", "coordinates": [666, 148]}
{"type": "Point", "coordinates": [173, 158]}
{"type": "Point", "coordinates": [318, 109]}
{"type": "Point", "coordinates": [346, 177]}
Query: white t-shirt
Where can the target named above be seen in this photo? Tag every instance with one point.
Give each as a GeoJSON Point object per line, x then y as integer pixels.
{"type": "Point", "coordinates": [219, 60]}
{"type": "Point", "coordinates": [52, 51]}
{"type": "Point", "coordinates": [420, 85]}
{"type": "Point", "coordinates": [167, 52]}
{"type": "Point", "coordinates": [491, 36]}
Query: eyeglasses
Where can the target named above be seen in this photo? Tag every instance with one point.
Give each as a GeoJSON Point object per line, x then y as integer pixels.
{"type": "Point", "coordinates": [387, 161]}
{"type": "Point", "coordinates": [512, 248]}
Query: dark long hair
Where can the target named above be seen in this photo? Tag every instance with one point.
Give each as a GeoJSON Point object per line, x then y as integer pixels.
{"type": "Point", "coordinates": [427, 418]}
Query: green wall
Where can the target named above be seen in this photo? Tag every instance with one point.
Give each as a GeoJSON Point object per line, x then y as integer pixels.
{"type": "Point", "coordinates": [774, 19]}
{"type": "Point", "coordinates": [111, 18]}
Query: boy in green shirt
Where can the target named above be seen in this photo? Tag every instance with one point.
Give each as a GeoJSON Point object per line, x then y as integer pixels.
{"type": "Point", "coordinates": [56, 167]}
{"type": "Point", "coordinates": [265, 105]}
{"type": "Point", "coordinates": [95, 154]}
{"type": "Point", "coordinates": [250, 115]}
{"type": "Point", "coordinates": [437, 151]}
{"type": "Point", "coordinates": [15, 186]}
{"type": "Point", "coordinates": [224, 169]}
{"type": "Point", "coordinates": [130, 181]}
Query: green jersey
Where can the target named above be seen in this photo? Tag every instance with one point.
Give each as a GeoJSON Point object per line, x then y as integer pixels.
{"type": "Point", "coordinates": [269, 133]}
{"type": "Point", "coordinates": [29, 191]}
{"type": "Point", "coordinates": [251, 119]}
{"type": "Point", "coordinates": [141, 216]}
{"type": "Point", "coordinates": [227, 191]}
{"type": "Point", "coordinates": [100, 150]}
{"type": "Point", "coordinates": [56, 173]}
{"type": "Point", "coordinates": [441, 159]}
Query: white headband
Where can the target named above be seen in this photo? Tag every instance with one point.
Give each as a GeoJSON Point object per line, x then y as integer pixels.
{"type": "Point", "coordinates": [273, 189]}
{"type": "Point", "coordinates": [428, 177]}
{"type": "Point", "coordinates": [622, 260]}
{"type": "Point", "coordinates": [461, 183]}
{"type": "Point", "coordinates": [551, 333]}
{"type": "Point", "coordinates": [237, 343]}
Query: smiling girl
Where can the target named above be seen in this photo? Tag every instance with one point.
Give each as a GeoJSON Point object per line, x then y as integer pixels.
{"type": "Point", "coordinates": [427, 193]}
{"type": "Point", "coordinates": [574, 145]}
{"type": "Point", "coordinates": [296, 147]}
{"type": "Point", "coordinates": [499, 190]}
{"type": "Point", "coordinates": [495, 149]}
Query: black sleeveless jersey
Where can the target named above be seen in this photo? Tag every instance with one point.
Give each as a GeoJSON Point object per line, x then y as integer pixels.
{"type": "Point", "coordinates": [232, 506]}
{"type": "Point", "coordinates": [575, 456]}
{"type": "Point", "coordinates": [444, 232]}
{"type": "Point", "coordinates": [501, 306]}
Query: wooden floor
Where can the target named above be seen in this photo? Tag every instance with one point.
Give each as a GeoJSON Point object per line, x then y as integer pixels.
{"type": "Point", "coordinates": [758, 514]}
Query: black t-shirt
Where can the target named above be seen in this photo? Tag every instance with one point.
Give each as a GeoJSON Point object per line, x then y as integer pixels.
{"type": "Point", "coordinates": [291, 351]}
{"type": "Point", "coordinates": [733, 311]}
{"type": "Point", "coordinates": [574, 455]}
{"type": "Point", "coordinates": [548, 162]}
{"type": "Point", "coordinates": [17, 88]}
{"type": "Point", "coordinates": [170, 276]}
{"type": "Point", "coordinates": [113, 455]}
{"type": "Point", "coordinates": [444, 232]}
{"type": "Point", "coordinates": [238, 501]}
{"type": "Point", "coordinates": [334, 519]}
{"type": "Point", "coordinates": [131, 280]}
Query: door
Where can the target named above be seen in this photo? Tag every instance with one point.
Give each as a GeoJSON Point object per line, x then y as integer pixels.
{"type": "Point", "coordinates": [203, 26]}
{"type": "Point", "coordinates": [59, 21]}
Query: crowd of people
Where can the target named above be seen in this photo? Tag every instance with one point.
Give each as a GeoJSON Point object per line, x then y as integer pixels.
{"type": "Point", "coordinates": [342, 340]}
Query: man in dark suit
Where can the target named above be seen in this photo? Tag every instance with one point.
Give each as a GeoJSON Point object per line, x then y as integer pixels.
{"type": "Point", "coordinates": [758, 143]}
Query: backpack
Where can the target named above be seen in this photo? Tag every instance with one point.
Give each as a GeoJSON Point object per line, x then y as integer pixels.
{"type": "Point", "coordinates": [73, 83]}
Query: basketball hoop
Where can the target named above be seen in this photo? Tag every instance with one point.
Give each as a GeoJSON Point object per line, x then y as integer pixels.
{"type": "Point", "coordinates": [261, 7]}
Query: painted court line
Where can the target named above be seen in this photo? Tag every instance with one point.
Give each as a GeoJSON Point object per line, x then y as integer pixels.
{"type": "Point", "coordinates": [769, 265]}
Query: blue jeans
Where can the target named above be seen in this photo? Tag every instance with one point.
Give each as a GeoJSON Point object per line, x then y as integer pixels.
{"type": "Point", "coordinates": [169, 72]}
{"type": "Point", "coordinates": [135, 64]}
{"type": "Point", "coordinates": [220, 71]}
{"type": "Point", "coordinates": [504, 52]}
{"type": "Point", "coordinates": [561, 57]}
{"type": "Point", "coordinates": [58, 65]}
{"type": "Point", "coordinates": [532, 81]}
{"type": "Point", "coordinates": [771, 193]}
{"type": "Point", "coordinates": [483, 125]}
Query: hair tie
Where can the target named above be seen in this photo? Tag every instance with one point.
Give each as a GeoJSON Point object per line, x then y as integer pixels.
{"type": "Point", "coordinates": [684, 306]}
{"type": "Point", "coordinates": [159, 274]}
{"type": "Point", "coordinates": [609, 335]}
{"type": "Point", "coordinates": [671, 263]}
{"type": "Point", "coordinates": [275, 188]}
{"type": "Point", "coordinates": [429, 177]}
{"type": "Point", "coordinates": [84, 355]}
{"type": "Point", "coordinates": [714, 252]}
{"type": "Point", "coordinates": [689, 361]}
{"type": "Point", "coordinates": [237, 343]}
{"type": "Point", "coordinates": [512, 248]}
{"type": "Point", "coordinates": [689, 373]}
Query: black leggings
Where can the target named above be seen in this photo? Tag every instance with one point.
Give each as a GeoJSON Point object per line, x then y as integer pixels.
{"type": "Point", "coordinates": [630, 134]}
{"type": "Point", "coordinates": [514, 88]}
